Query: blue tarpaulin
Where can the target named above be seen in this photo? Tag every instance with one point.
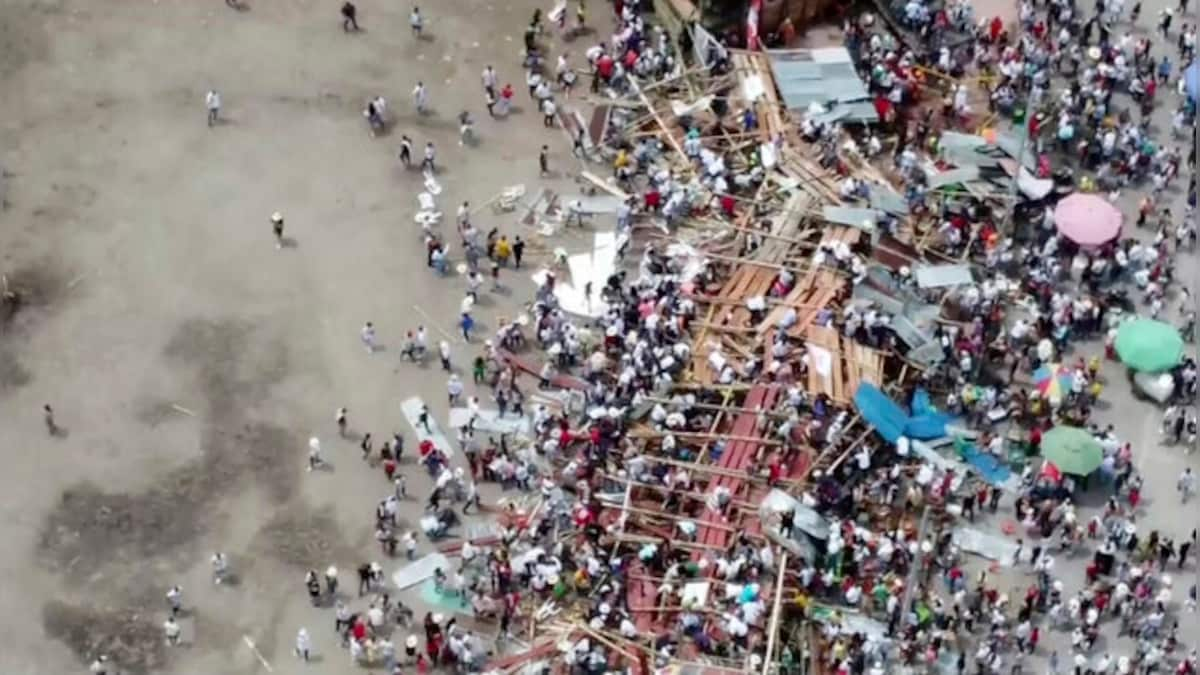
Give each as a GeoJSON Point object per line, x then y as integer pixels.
{"type": "Point", "coordinates": [891, 421]}
{"type": "Point", "coordinates": [1191, 81]}
{"type": "Point", "coordinates": [990, 468]}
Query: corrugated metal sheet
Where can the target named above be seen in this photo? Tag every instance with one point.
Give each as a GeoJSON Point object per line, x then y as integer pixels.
{"type": "Point", "coordinates": [936, 276]}
{"type": "Point", "coordinates": [953, 176]}
{"type": "Point", "coordinates": [805, 76]}
{"type": "Point", "coordinates": [864, 219]}
{"type": "Point", "coordinates": [886, 199]}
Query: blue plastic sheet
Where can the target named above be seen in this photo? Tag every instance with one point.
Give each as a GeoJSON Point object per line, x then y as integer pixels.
{"type": "Point", "coordinates": [891, 421]}
{"type": "Point", "coordinates": [1191, 81]}
{"type": "Point", "coordinates": [990, 468]}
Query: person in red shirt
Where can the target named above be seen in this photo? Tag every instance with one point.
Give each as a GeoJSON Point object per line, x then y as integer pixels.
{"type": "Point", "coordinates": [727, 205]}
{"type": "Point", "coordinates": [359, 630]}
{"type": "Point", "coordinates": [604, 66]}
{"type": "Point", "coordinates": [653, 199]}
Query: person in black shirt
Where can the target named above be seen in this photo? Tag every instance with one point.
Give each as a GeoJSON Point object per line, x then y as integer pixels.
{"type": "Point", "coordinates": [349, 17]}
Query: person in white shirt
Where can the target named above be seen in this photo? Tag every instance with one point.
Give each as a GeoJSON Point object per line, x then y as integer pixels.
{"type": "Point", "coordinates": [416, 22]}
{"type": "Point", "coordinates": [489, 80]}
{"type": "Point", "coordinates": [212, 101]}
{"type": "Point", "coordinates": [171, 630]}
{"type": "Point", "coordinates": [220, 567]}
{"type": "Point", "coordinates": [303, 644]}
{"type": "Point", "coordinates": [314, 453]}
{"type": "Point", "coordinates": [420, 98]}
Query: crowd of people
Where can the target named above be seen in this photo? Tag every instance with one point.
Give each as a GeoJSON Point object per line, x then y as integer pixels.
{"type": "Point", "coordinates": [1064, 73]}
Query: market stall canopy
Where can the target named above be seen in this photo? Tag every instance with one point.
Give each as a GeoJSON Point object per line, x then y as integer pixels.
{"type": "Point", "coordinates": [1087, 219]}
{"type": "Point", "coordinates": [1052, 381]}
{"type": "Point", "coordinates": [1073, 450]}
{"type": "Point", "coordinates": [1149, 346]}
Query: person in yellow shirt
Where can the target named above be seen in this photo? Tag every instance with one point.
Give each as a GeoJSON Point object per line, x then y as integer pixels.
{"type": "Point", "coordinates": [502, 250]}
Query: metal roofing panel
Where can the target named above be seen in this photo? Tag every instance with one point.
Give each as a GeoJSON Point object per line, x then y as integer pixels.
{"type": "Point", "coordinates": [864, 219]}
{"type": "Point", "coordinates": [805, 76]}
{"type": "Point", "coordinates": [936, 276]}
{"type": "Point", "coordinates": [885, 198]}
{"type": "Point", "coordinates": [961, 175]}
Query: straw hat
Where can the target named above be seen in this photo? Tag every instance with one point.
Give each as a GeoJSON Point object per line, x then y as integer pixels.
{"type": "Point", "coordinates": [277, 217]}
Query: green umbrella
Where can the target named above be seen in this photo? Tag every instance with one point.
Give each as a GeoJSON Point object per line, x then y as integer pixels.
{"type": "Point", "coordinates": [1149, 346]}
{"type": "Point", "coordinates": [1072, 450]}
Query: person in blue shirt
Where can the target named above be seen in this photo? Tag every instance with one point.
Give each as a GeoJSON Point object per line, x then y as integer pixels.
{"type": "Point", "coordinates": [1164, 69]}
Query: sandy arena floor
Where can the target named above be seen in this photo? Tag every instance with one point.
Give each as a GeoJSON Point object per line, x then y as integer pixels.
{"type": "Point", "coordinates": [140, 240]}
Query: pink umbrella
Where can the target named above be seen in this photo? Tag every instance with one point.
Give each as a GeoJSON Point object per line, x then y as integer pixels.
{"type": "Point", "coordinates": [1088, 219]}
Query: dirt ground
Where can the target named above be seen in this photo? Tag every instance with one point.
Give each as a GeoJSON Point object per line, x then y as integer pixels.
{"type": "Point", "coordinates": [187, 359]}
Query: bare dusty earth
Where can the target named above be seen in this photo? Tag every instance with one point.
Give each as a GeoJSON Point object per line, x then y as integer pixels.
{"type": "Point", "coordinates": [140, 243]}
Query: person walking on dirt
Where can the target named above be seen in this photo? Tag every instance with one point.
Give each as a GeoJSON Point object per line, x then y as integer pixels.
{"type": "Point", "coordinates": [314, 453]}
{"type": "Point", "coordinates": [277, 228]}
{"type": "Point", "coordinates": [220, 568]}
{"type": "Point", "coordinates": [303, 644]}
{"type": "Point", "coordinates": [368, 337]}
{"type": "Point", "coordinates": [171, 630]}
{"type": "Point", "coordinates": [175, 599]}
{"type": "Point", "coordinates": [212, 101]}
{"type": "Point", "coordinates": [518, 249]}
{"type": "Point", "coordinates": [420, 98]}
{"type": "Point", "coordinates": [349, 17]}
{"type": "Point", "coordinates": [340, 418]}
{"type": "Point", "coordinates": [427, 162]}
{"type": "Point", "coordinates": [48, 418]}
{"type": "Point", "coordinates": [331, 581]}
{"type": "Point", "coordinates": [1186, 484]}
{"type": "Point", "coordinates": [406, 151]}
{"type": "Point", "coordinates": [416, 22]}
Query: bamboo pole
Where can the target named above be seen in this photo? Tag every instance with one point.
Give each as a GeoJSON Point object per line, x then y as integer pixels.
{"type": "Point", "coordinates": [773, 625]}
{"type": "Point", "coordinates": [703, 434]}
